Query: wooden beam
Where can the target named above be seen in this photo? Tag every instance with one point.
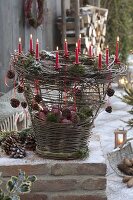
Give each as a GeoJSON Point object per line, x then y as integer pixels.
{"type": "Point", "coordinates": [63, 13]}
{"type": "Point", "coordinates": [77, 21]}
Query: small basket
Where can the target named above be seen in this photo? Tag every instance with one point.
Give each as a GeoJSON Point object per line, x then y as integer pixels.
{"type": "Point", "coordinates": [125, 151]}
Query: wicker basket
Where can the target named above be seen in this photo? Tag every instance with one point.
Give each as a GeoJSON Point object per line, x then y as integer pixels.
{"type": "Point", "coordinates": [115, 158]}
{"type": "Point", "coordinates": [59, 87]}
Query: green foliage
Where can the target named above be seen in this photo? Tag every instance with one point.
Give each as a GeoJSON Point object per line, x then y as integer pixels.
{"type": "Point", "coordinates": [119, 23]}
{"type": "Point", "coordinates": [128, 98]}
{"type": "Point", "coordinates": [16, 186]}
{"type": "Point", "coordinates": [84, 113]}
{"type": "Point", "coordinates": [25, 133]}
{"type": "Point", "coordinates": [51, 117]}
{"type": "Point", "coordinates": [77, 70]}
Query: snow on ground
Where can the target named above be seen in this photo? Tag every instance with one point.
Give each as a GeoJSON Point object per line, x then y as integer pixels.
{"type": "Point", "coordinates": [105, 124]}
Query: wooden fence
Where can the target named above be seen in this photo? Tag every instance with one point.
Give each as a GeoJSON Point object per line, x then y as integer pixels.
{"type": "Point", "coordinates": [13, 25]}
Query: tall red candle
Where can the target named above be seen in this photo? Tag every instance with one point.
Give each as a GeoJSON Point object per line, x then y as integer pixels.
{"type": "Point", "coordinates": [66, 48]}
{"type": "Point", "coordinates": [76, 54]}
{"type": "Point", "coordinates": [31, 43]}
{"type": "Point", "coordinates": [79, 44]}
{"type": "Point", "coordinates": [117, 50]}
{"type": "Point", "coordinates": [19, 46]}
{"type": "Point", "coordinates": [57, 58]}
{"type": "Point", "coordinates": [107, 55]}
{"type": "Point", "coordinates": [37, 49]}
{"type": "Point", "coordinates": [100, 61]}
{"type": "Point", "coordinates": [90, 50]}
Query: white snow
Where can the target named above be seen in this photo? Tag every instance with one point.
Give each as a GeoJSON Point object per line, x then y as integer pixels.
{"type": "Point", "coordinates": [105, 124]}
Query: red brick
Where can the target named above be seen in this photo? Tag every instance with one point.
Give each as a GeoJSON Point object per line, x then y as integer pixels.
{"type": "Point", "coordinates": [54, 185]}
{"type": "Point", "coordinates": [96, 196]}
{"type": "Point", "coordinates": [62, 169]}
{"type": "Point", "coordinates": [33, 196]}
{"type": "Point", "coordinates": [13, 170]}
{"type": "Point", "coordinates": [97, 183]}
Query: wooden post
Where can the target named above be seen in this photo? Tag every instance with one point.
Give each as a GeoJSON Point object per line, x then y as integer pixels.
{"type": "Point", "coordinates": [77, 22]}
{"type": "Point", "coordinates": [63, 13]}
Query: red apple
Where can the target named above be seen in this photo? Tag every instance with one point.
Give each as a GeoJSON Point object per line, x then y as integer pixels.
{"type": "Point", "coordinates": [56, 111]}
{"type": "Point", "coordinates": [55, 107]}
{"type": "Point", "coordinates": [45, 110]}
{"type": "Point", "coordinates": [42, 115]}
{"type": "Point", "coordinates": [72, 108]}
{"type": "Point", "coordinates": [74, 117]}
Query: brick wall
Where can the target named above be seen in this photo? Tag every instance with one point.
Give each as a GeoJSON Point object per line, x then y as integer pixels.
{"type": "Point", "coordinates": [63, 180]}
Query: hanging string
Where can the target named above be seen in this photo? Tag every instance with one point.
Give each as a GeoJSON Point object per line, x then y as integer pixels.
{"type": "Point", "coordinates": [14, 88]}
{"type": "Point", "coordinates": [5, 81]}
{"type": "Point", "coordinates": [74, 97]}
{"type": "Point", "coordinates": [65, 89]}
{"type": "Point", "coordinates": [36, 83]}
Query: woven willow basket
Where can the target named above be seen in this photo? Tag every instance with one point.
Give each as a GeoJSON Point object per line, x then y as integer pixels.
{"type": "Point", "coordinates": [115, 157]}
{"type": "Point", "coordinates": [58, 87]}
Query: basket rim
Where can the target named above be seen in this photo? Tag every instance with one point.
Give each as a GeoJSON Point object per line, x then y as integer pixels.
{"type": "Point", "coordinates": [47, 70]}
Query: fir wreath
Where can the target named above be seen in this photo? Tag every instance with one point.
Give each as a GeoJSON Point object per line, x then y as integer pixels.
{"type": "Point", "coordinates": [35, 22]}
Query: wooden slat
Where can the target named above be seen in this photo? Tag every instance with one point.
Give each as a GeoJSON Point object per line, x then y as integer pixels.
{"type": "Point", "coordinates": [71, 33]}
{"type": "Point", "coordinates": [70, 25]}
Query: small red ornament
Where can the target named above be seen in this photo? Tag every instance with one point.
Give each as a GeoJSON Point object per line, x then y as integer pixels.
{"type": "Point", "coordinates": [14, 102]}
{"type": "Point", "coordinates": [10, 74]}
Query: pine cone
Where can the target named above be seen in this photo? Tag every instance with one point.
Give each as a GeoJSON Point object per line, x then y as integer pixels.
{"type": "Point", "coordinates": [110, 92]}
{"type": "Point", "coordinates": [30, 143]}
{"type": "Point", "coordinates": [17, 151]}
{"type": "Point", "coordinates": [9, 142]}
{"type": "Point", "coordinates": [35, 106]}
{"type": "Point", "coordinates": [10, 74]}
{"type": "Point", "coordinates": [23, 104]}
{"type": "Point", "coordinates": [20, 89]}
{"type": "Point", "coordinates": [38, 98]}
{"type": "Point", "coordinates": [108, 109]}
{"type": "Point", "coordinates": [14, 102]}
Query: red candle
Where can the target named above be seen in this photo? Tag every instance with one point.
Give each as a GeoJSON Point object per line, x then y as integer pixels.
{"type": "Point", "coordinates": [57, 58]}
{"type": "Point", "coordinates": [20, 46]}
{"type": "Point", "coordinates": [37, 49]}
{"type": "Point", "coordinates": [66, 48]}
{"type": "Point", "coordinates": [76, 54]}
{"type": "Point", "coordinates": [117, 50]}
{"type": "Point", "coordinates": [100, 61]}
{"type": "Point", "coordinates": [31, 43]}
{"type": "Point", "coordinates": [107, 55]}
{"type": "Point", "coordinates": [79, 44]}
{"type": "Point", "coordinates": [90, 50]}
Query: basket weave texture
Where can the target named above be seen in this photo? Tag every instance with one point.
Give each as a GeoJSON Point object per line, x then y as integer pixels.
{"type": "Point", "coordinates": [81, 87]}
{"type": "Point", "coordinates": [118, 155]}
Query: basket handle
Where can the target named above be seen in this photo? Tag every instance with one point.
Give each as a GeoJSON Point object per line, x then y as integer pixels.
{"type": "Point", "coordinates": [121, 146]}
